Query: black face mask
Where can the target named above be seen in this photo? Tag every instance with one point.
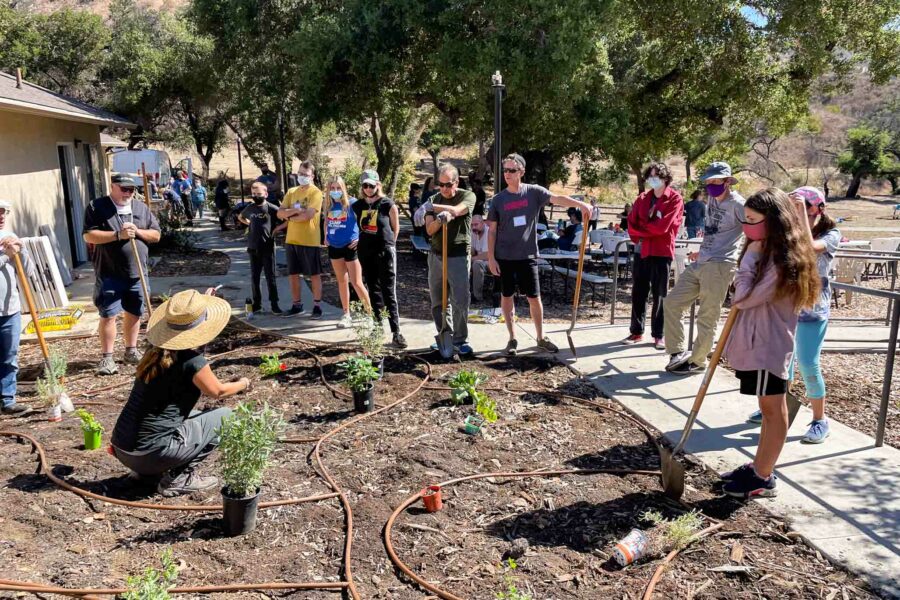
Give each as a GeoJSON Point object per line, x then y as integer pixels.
{"type": "Point", "coordinates": [258, 199]}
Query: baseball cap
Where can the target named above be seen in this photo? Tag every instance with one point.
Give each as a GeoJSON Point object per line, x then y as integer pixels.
{"type": "Point", "coordinates": [370, 176]}
{"type": "Point", "coordinates": [718, 170]}
{"type": "Point", "coordinates": [123, 179]}
{"type": "Point", "coordinates": [5, 205]}
{"type": "Point", "coordinates": [812, 195]}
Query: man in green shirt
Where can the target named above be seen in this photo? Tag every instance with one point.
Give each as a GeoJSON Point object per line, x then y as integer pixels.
{"type": "Point", "coordinates": [454, 207]}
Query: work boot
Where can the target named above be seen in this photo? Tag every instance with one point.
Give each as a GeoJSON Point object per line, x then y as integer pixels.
{"type": "Point", "coordinates": [107, 366]}
{"type": "Point", "coordinates": [399, 341]}
{"type": "Point", "coordinates": [187, 482]}
{"type": "Point", "coordinates": [13, 409]}
{"type": "Point", "coordinates": [132, 356]}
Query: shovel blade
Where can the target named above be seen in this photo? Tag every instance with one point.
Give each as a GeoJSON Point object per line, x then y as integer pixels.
{"type": "Point", "coordinates": [571, 343]}
{"type": "Point", "coordinates": [672, 474]}
{"type": "Point", "coordinates": [793, 407]}
{"type": "Point", "coordinates": [445, 344]}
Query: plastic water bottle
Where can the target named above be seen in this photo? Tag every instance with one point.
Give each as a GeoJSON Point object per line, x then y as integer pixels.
{"type": "Point", "coordinates": [248, 308]}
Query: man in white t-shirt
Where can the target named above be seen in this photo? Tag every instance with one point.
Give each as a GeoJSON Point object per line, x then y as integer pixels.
{"type": "Point", "coordinates": [479, 256]}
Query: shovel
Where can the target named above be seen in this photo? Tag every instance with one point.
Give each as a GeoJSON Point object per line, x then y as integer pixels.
{"type": "Point", "coordinates": [144, 287]}
{"type": "Point", "coordinates": [575, 300]}
{"type": "Point", "coordinates": [672, 470]}
{"type": "Point", "coordinates": [29, 299]}
{"type": "Point", "coordinates": [444, 338]}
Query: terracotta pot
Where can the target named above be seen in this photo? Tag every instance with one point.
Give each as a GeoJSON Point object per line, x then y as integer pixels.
{"type": "Point", "coordinates": [431, 496]}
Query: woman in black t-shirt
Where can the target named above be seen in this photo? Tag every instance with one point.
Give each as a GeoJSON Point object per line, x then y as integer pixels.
{"type": "Point", "coordinates": [158, 431]}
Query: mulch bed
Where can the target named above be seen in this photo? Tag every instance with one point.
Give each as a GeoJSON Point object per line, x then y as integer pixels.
{"type": "Point", "coordinates": [197, 261]}
{"type": "Point", "coordinates": [570, 523]}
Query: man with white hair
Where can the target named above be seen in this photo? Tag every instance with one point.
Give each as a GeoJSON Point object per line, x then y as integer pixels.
{"type": "Point", "coordinates": [10, 311]}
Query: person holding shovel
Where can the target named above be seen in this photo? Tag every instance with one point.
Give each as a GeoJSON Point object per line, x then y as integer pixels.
{"type": "Point", "coordinates": [513, 248]}
{"type": "Point", "coordinates": [10, 311]}
{"type": "Point", "coordinates": [453, 207]}
{"type": "Point", "coordinates": [110, 223]}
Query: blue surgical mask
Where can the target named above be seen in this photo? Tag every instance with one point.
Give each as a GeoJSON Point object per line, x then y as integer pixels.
{"type": "Point", "coordinates": [655, 182]}
{"type": "Point", "coordinates": [335, 194]}
{"type": "Point", "coordinates": [303, 180]}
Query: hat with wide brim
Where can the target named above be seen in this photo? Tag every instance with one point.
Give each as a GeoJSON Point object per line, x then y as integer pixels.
{"type": "Point", "coordinates": [188, 319]}
{"type": "Point", "coordinates": [718, 170]}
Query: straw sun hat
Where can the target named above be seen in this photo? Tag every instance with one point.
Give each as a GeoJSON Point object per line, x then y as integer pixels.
{"type": "Point", "coordinates": [188, 319]}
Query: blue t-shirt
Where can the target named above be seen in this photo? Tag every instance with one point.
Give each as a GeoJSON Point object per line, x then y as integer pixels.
{"type": "Point", "coordinates": [198, 195]}
{"type": "Point", "coordinates": [822, 310]}
{"type": "Point", "coordinates": [181, 186]}
{"type": "Point", "coordinates": [341, 227]}
{"type": "Point", "coordinates": [695, 213]}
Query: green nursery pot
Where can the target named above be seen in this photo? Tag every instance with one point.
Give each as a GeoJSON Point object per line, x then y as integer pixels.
{"type": "Point", "coordinates": [92, 439]}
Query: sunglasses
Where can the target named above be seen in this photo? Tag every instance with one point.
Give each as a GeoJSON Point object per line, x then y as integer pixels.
{"type": "Point", "coordinates": [4, 212]}
{"type": "Point", "coordinates": [127, 190]}
{"type": "Point", "coordinates": [510, 170]}
{"type": "Point", "coordinates": [447, 185]}
{"type": "Point", "coordinates": [368, 186]}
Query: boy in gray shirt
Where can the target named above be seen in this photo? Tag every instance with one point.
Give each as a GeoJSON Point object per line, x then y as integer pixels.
{"type": "Point", "coordinates": [712, 272]}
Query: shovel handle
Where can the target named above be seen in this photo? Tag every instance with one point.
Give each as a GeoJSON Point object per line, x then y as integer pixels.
{"type": "Point", "coordinates": [29, 299]}
{"type": "Point", "coordinates": [707, 378]}
{"type": "Point", "coordinates": [144, 288]}
{"type": "Point", "coordinates": [577, 298]}
{"type": "Point", "coordinates": [444, 267]}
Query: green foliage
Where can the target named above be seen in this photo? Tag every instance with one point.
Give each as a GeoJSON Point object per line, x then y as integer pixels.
{"type": "Point", "coordinates": [369, 333]}
{"type": "Point", "coordinates": [48, 391]}
{"type": "Point", "coordinates": [486, 407]}
{"type": "Point", "coordinates": [58, 366]}
{"type": "Point", "coordinates": [866, 155]}
{"type": "Point", "coordinates": [464, 386]}
{"type": "Point", "coordinates": [509, 582]}
{"type": "Point", "coordinates": [271, 364]}
{"type": "Point", "coordinates": [153, 584]}
{"type": "Point", "coordinates": [359, 373]}
{"type": "Point", "coordinates": [677, 533]}
{"type": "Point", "coordinates": [247, 440]}
{"type": "Point", "coordinates": [88, 422]}
{"type": "Point", "coordinates": [50, 386]}
{"type": "Point", "coordinates": [172, 234]}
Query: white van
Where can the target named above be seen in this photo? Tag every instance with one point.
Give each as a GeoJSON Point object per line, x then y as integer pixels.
{"type": "Point", "coordinates": [159, 167]}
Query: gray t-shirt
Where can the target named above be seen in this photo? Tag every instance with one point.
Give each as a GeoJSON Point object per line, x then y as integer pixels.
{"type": "Point", "coordinates": [722, 230]}
{"type": "Point", "coordinates": [516, 217]}
{"type": "Point", "coordinates": [822, 310]}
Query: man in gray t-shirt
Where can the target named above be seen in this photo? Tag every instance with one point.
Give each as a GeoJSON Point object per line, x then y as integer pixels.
{"type": "Point", "coordinates": [512, 245]}
{"type": "Point", "coordinates": [711, 273]}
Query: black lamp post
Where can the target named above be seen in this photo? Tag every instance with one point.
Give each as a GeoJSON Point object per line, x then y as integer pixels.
{"type": "Point", "coordinates": [497, 84]}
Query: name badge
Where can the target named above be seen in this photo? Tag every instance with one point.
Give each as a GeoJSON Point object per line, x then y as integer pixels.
{"type": "Point", "coordinates": [519, 221]}
{"type": "Point", "coordinates": [298, 205]}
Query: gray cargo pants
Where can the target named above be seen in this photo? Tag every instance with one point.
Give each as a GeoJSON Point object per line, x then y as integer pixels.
{"type": "Point", "coordinates": [457, 295]}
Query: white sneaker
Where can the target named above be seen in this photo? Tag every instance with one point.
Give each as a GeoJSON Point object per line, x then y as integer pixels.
{"type": "Point", "coordinates": [677, 360]}
{"type": "Point", "coordinates": [345, 322]}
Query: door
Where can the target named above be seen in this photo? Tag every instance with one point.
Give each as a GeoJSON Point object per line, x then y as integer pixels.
{"type": "Point", "coordinates": [73, 202]}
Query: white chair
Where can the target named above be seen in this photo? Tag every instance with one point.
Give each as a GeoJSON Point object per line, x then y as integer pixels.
{"type": "Point", "coordinates": [873, 267]}
{"type": "Point", "coordinates": [848, 270]}
{"type": "Point", "coordinates": [680, 262]}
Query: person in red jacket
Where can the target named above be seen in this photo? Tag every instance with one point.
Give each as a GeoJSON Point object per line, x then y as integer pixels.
{"type": "Point", "coordinates": [653, 225]}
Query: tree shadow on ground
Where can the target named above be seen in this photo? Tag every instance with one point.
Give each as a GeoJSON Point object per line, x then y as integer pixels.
{"type": "Point", "coordinates": [329, 417]}
{"type": "Point", "coordinates": [638, 456]}
{"type": "Point", "coordinates": [201, 529]}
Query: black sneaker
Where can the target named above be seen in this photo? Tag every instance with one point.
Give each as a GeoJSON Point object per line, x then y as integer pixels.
{"type": "Point", "coordinates": [13, 409]}
{"type": "Point", "coordinates": [512, 347]}
{"type": "Point", "coordinates": [276, 310]}
{"type": "Point", "coordinates": [748, 484]}
{"type": "Point", "coordinates": [257, 308]}
{"type": "Point", "coordinates": [687, 368]}
{"type": "Point", "coordinates": [316, 312]}
{"type": "Point", "coordinates": [399, 340]}
{"type": "Point", "coordinates": [294, 310]}
{"type": "Point", "coordinates": [737, 473]}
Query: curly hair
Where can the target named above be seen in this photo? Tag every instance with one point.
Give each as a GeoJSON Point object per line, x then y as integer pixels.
{"type": "Point", "coordinates": [787, 246]}
{"type": "Point", "coordinates": [661, 169]}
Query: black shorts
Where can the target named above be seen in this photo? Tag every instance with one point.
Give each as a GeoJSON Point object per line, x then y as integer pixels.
{"type": "Point", "coordinates": [519, 273]}
{"type": "Point", "coordinates": [303, 260]}
{"type": "Point", "coordinates": [347, 253]}
{"type": "Point", "coordinates": [761, 383]}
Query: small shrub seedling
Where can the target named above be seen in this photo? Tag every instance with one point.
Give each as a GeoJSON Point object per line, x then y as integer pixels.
{"type": "Point", "coordinates": [153, 584]}
{"type": "Point", "coordinates": [50, 386]}
{"type": "Point", "coordinates": [509, 581]}
{"type": "Point", "coordinates": [271, 364]}
{"type": "Point", "coordinates": [359, 373]}
{"type": "Point", "coordinates": [677, 532]}
{"type": "Point", "coordinates": [464, 385]}
{"type": "Point", "coordinates": [486, 407]}
{"type": "Point", "coordinates": [247, 440]}
{"type": "Point", "coordinates": [369, 333]}
{"type": "Point", "coordinates": [88, 422]}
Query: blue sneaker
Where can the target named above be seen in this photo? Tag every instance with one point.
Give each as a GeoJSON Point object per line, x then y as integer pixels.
{"type": "Point", "coordinates": [465, 349]}
{"type": "Point", "coordinates": [747, 484]}
{"type": "Point", "coordinates": [755, 418]}
{"type": "Point", "coordinates": [818, 431]}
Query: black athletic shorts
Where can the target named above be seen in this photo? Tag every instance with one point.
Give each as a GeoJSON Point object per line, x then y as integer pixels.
{"type": "Point", "coordinates": [347, 253]}
{"type": "Point", "coordinates": [303, 260]}
{"type": "Point", "coordinates": [761, 383]}
{"type": "Point", "coordinates": [519, 273]}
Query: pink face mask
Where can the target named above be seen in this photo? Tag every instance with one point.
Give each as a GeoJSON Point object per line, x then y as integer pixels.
{"type": "Point", "coordinates": [755, 231]}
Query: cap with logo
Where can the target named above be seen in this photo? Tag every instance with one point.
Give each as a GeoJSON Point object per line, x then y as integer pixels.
{"type": "Point", "coordinates": [370, 176]}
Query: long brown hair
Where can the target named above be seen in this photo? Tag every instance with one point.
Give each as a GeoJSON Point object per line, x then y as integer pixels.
{"type": "Point", "coordinates": [823, 225]}
{"type": "Point", "coordinates": [787, 246]}
{"type": "Point", "coordinates": [154, 363]}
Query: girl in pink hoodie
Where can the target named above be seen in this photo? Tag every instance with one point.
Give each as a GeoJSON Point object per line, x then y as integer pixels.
{"type": "Point", "coordinates": [776, 278]}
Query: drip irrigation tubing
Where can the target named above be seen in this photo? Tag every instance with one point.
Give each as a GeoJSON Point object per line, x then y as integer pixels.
{"type": "Point", "coordinates": [25, 586]}
{"type": "Point", "coordinates": [667, 561]}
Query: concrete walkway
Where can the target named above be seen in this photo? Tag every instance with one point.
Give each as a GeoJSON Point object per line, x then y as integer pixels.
{"type": "Point", "coordinates": [843, 496]}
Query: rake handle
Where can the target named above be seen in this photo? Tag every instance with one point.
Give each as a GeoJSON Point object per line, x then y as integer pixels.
{"type": "Point", "coordinates": [29, 299]}
{"type": "Point", "coordinates": [444, 268]}
{"type": "Point", "coordinates": [577, 298]}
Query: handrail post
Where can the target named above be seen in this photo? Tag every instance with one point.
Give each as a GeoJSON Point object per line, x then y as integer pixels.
{"type": "Point", "coordinates": [612, 312]}
{"type": "Point", "coordinates": [888, 375]}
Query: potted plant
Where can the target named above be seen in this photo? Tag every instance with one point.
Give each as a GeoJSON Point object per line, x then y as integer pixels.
{"type": "Point", "coordinates": [247, 440]}
{"type": "Point", "coordinates": [359, 375]}
{"type": "Point", "coordinates": [464, 385]}
{"type": "Point", "coordinates": [431, 497]}
{"type": "Point", "coordinates": [92, 429]}
{"type": "Point", "coordinates": [369, 333]}
{"type": "Point", "coordinates": [485, 412]}
{"type": "Point", "coordinates": [48, 391]}
{"type": "Point", "coordinates": [271, 364]}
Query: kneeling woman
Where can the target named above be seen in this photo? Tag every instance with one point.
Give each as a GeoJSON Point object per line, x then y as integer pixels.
{"type": "Point", "coordinates": [158, 431]}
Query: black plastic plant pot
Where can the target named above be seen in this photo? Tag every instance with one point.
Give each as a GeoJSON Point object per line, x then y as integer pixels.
{"type": "Point", "coordinates": [239, 514]}
{"type": "Point", "coordinates": [364, 401]}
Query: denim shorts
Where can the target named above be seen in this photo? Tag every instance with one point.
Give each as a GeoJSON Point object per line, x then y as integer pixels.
{"type": "Point", "coordinates": [112, 295]}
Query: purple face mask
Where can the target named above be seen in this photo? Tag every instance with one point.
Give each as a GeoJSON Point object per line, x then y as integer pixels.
{"type": "Point", "coordinates": [715, 189]}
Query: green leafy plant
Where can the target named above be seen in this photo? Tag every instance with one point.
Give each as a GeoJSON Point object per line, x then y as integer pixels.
{"type": "Point", "coordinates": [50, 386]}
{"type": "Point", "coordinates": [359, 373]}
{"type": "Point", "coordinates": [509, 581]}
{"type": "Point", "coordinates": [88, 422]}
{"type": "Point", "coordinates": [464, 386]}
{"type": "Point", "coordinates": [247, 440]}
{"type": "Point", "coordinates": [486, 407]}
{"type": "Point", "coordinates": [368, 330]}
{"type": "Point", "coordinates": [675, 533]}
{"type": "Point", "coordinates": [271, 364]}
{"type": "Point", "coordinates": [153, 584]}
{"type": "Point", "coordinates": [57, 367]}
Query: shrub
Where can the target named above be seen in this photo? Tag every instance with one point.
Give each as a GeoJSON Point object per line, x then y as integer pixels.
{"type": "Point", "coordinates": [464, 385]}
{"type": "Point", "coordinates": [359, 373]}
{"type": "Point", "coordinates": [675, 533]}
{"type": "Point", "coordinates": [172, 235]}
{"type": "Point", "coordinates": [153, 584]}
{"type": "Point", "coordinates": [486, 407]}
{"type": "Point", "coordinates": [271, 364]}
{"type": "Point", "coordinates": [369, 333]}
{"type": "Point", "coordinates": [88, 422]}
{"type": "Point", "coordinates": [511, 592]}
{"type": "Point", "coordinates": [247, 441]}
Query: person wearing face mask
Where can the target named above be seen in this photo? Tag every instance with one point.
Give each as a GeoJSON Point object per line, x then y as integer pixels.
{"type": "Point", "coordinates": [709, 276]}
{"type": "Point", "coordinates": [302, 209]}
{"type": "Point", "coordinates": [342, 239]}
{"type": "Point", "coordinates": [110, 223]}
{"type": "Point", "coordinates": [261, 218]}
{"type": "Point", "coordinates": [653, 223]}
{"type": "Point", "coordinates": [379, 226]}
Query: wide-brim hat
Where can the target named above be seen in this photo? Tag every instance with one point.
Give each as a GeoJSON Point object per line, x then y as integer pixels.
{"type": "Point", "coordinates": [188, 319]}
{"type": "Point", "coordinates": [718, 170]}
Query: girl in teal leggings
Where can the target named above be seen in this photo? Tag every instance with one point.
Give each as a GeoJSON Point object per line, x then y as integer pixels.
{"type": "Point", "coordinates": [813, 323]}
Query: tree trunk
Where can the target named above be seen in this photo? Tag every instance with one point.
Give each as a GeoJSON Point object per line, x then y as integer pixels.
{"type": "Point", "coordinates": [435, 166]}
{"type": "Point", "coordinates": [853, 189]}
{"type": "Point", "coordinates": [483, 166]}
{"type": "Point", "coordinates": [687, 168]}
{"type": "Point", "coordinates": [638, 173]}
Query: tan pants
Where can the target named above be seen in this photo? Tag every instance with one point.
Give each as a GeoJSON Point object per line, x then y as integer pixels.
{"type": "Point", "coordinates": [709, 283]}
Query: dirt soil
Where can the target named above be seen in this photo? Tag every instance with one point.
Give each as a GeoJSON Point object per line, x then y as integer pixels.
{"type": "Point", "coordinates": [570, 523]}
{"type": "Point", "coordinates": [198, 261]}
